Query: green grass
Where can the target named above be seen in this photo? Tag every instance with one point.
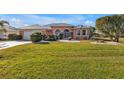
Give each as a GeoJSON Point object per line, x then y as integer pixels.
{"type": "Point", "coordinates": [62, 60]}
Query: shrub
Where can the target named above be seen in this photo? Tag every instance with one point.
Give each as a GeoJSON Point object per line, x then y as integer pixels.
{"type": "Point", "coordinates": [52, 38]}
{"type": "Point", "coordinates": [44, 37]}
{"type": "Point", "coordinates": [85, 38]}
{"type": "Point", "coordinates": [60, 36]}
{"type": "Point", "coordinates": [14, 37]}
{"type": "Point", "coordinates": [19, 37]}
{"type": "Point", "coordinates": [36, 37]}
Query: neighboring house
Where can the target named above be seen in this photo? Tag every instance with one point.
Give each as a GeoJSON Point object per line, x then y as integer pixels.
{"type": "Point", "coordinates": [67, 30]}
{"type": "Point", "coordinates": [9, 30]}
{"type": "Point", "coordinates": [1, 33]}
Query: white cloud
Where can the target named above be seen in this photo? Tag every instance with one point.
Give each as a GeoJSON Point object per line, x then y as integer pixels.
{"type": "Point", "coordinates": [16, 22]}
{"type": "Point", "coordinates": [75, 19]}
{"type": "Point", "coordinates": [89, 23]}
{"type": "Point", "coordinates": [26, 25]}
{"type": "Point", "coordinates": [41, 19]}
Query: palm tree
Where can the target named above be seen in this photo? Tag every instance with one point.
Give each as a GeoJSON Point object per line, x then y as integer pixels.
{"type": "Point", "coordinates": [2, 24]}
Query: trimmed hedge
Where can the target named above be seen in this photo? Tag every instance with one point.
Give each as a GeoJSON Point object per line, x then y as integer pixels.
{"type": "Point", "coordinates": [14, 37]}
{"type": "Point", "coordinates": [52, 38]}
{"type": "Point", "coordinates": [36, 37]}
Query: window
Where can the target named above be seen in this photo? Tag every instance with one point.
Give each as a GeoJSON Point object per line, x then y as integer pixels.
{"type": "Point", "coordinates": [83, 32]}
{"type": "Point", "coordinates": [78, 32]}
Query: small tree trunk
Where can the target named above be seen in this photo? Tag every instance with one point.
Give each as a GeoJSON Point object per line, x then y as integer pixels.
{"type": "Point", "coordinates": [117, 39]}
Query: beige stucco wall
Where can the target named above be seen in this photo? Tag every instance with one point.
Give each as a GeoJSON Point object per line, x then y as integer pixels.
{"type": "Point", "coordinates": [62, 28]}
{"type": "Point", "coordinates": [81, 36]}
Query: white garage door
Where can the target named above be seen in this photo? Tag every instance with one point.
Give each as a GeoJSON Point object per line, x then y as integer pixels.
{"type": "Point", "coordinates": [1, 36]}
{"type": "Point", "coordinates": [27, 34]}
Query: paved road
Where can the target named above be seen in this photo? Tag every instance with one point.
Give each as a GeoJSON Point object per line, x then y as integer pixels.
{"type": "Point", "coordinates": [8, 44]}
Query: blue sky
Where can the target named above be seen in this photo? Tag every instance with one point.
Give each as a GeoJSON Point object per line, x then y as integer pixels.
{"type": "Point", "coordinates": [20, 20]}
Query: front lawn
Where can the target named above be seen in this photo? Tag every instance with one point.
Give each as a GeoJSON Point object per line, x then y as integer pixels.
{"type": "Point", "coordinates": [62, 60]}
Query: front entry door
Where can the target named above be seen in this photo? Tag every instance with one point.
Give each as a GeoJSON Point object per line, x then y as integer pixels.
{"type": "Point", "coordinates": [66, 34]}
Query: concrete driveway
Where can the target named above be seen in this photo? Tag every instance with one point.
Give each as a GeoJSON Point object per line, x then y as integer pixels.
{"type": "Point", "coordinates": [8, 44]}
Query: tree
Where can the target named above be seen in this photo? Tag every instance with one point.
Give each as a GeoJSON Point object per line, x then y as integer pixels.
{"type": "Point", "coordinates": [2, 24]}
{"type": "Point", "coordinates": [91, 32]}
{"type": "Point", "coordinates": [112, 26]}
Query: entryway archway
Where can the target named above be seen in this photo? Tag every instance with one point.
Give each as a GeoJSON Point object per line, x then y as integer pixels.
{"type": "Point", "coordinates": [66, 34]}
{"type": "Point", "coordinates": [57, 32]}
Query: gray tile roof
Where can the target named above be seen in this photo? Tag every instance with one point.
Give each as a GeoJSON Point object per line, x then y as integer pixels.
{"type": "Point", "coordinates": [57, 24]}
{"type": "Point", "coordinates": [35, 26]}
{"type": "Point", "coordinates": [82, 26]}
{"type": "Point", "coordinates": [48, 26]}
{"type": "Point", "coordinates": [10, 28]}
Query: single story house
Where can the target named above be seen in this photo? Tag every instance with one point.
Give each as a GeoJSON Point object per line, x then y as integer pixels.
{"type": "Point", "coordinates": [75, 32]}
